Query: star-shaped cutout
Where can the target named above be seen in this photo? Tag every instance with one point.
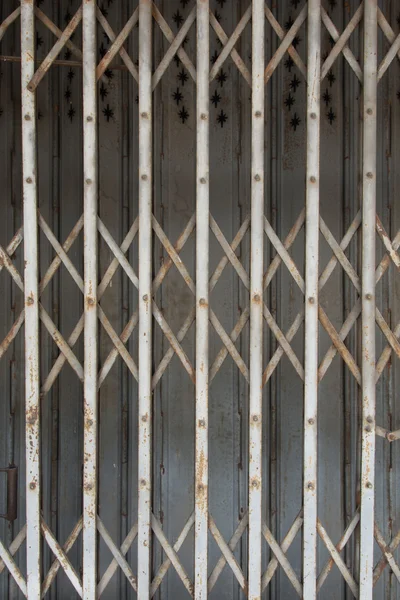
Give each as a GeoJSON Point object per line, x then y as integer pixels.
{"type": "Point", "coordinates": [108, 112]}
{"type": "Point", "coordinates": [71, 113]}
{"type": "Point", "coordinates": [294, 84]}
{"type": "Point", "coordinates": [183, 114]}
{"type": "Point", "coordinates": [295, 121]}
{"type": "Point", "coordinates": [221, 3]}
{"type": "Point", "coordinates": [331, 77]}
{"type": "Point", "coordinates": [327, 97]}
{"type": "Point", "coordinates": [331, 116]}
{"type": "Point", "coordinates": [109, 73]}
{"type": "Point", "coordinates": [67, 54]}
{"type": "Point", "coordinates": [67, 17]}
{"type": "Point", "coordinates": [215, 98]}
{"type": "Point", "coordinates": [177, 96]}
{"type": "Point", "coordinates": [218, 16]}
{"type": "Point", "coordinates": [177, 60]}
{"type": "Point", "coordinates": [222, 118]}
{"type": "Point", "coordinates": [289, 101]}
{"type": "Point", "coordinates": [214, 58]}
{"type": "Point", "coordinates": [222, 77]}
{"type": "Point", "coordinates": [184, 3]}
{"type": "Point", "coordinates": [103, 91]}
{"type": "Point", "coordinates": [39, 41]}
{"type": "Point", "coordinates": [70, 75]}
{"type": "Point", "coordinates": [183, 77]}
{"type": "Point", "coordinates": [177, 18]}
{"type": "Point", "coordinates": [68, 93]}
{"type": "Point", "coordinates": [289, 63]}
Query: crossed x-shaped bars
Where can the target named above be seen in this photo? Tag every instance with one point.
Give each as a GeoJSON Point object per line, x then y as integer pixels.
{"type": "Point", "coordinates": [228, 43]}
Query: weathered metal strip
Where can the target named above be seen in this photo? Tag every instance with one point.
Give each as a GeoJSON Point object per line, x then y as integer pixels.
{"type": "Point", "coordinates": [368, 299]}
{"type": "Point", "coordinates": [90, 469]}
{"type": "Point", "coordinates": [31, 285]}
{"type": "Point", "coordinates": [145, 297]}
{"type": "Point", "coordinates": [256, 299]}
{"type": "Point", "coordinates": [311, 302]}
{"type": "Point", "coordinates": [202, 301]}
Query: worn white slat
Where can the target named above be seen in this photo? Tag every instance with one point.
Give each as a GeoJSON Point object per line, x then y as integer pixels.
{"type": "Point", "coordinates": [368, 299]}
{"type": "Point", "coordinates": [256, 299]}
{"type": "Point", "coordinates": [311, 302]}
{"type": "Point", "coordinates": [145, 297]}
{"type": "Point", "coordinates": [31, 286]}
{"type": "Point", "coordinates": [202, 301]}
{"type": "Point", "coordinates": [90, 470]}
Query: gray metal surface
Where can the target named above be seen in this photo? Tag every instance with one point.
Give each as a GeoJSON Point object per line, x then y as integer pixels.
{"type": "Point", "coordinates": [177, 501]}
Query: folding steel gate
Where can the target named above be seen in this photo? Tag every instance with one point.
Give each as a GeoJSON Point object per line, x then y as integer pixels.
{"type": "Point", "coordinates": [199, 303]}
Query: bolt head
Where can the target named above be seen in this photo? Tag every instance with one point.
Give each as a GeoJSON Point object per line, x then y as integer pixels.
{"type": "Point", "coordinates": [89, 118]}
{"type": "Point", "coordinates": [257, 177]}
{"type": "Point", "coordinates": [29, 180]}
{"type": "Point", "coordinates": [313, 115]}
{"type": "Point", "coordinates": [370, 175]}
{"type": "Point", "coordinates": [313, 179]}
{"type": "Point", "coordinates": [369, 485]}
{"type": "Point", "coordinates": [258, 114]}
{"type": "Point", "coordinates": [27, 117]}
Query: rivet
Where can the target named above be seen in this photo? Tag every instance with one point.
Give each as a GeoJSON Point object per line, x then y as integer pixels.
{"type": "Point", "coordinates": [32, 485]}
{"type": "Point", "coordinates": [144, 418]}
{"type": "Point", "coordinates": [202, 423]}
{"type": "Point", "coordinates": [369, 111]}
{"type": "Point", "coordinates": [202, 302]}
{"type": "Point", "coordinates": [370, 420]}
{"type": "Point", "coordinates": [144, 115]}
{"type": "Point", "coordinates": [257, 298]}
{"type": "Point", "coordinates": [145, 298]}
{"type": "Point", "coordinates": [89, 422]}
{"type": "Point", "coordinates": [311, 300]}
{"type": "Point", "coordinates": [313, 179]}
{"type": "Point", "coordinates": [311, 421]}
{"type": "Point", "coordinates": [144, 177]}
{"type": "Point", "coordinates": [27, 117]}
{"type": "Point", "coordinates": [368, 429]}
{"type": "Point", "coordinates": [255, 418]}
{"type": "Point", "coordinates": [29, 300]}
{"type": "Point", "coordinates": [310, 485]}
{"type": "Point", "coordinates": [368, 485]}
{"type": "Point", "coordinates": [370, 175]}
{"type": "Point", "coordinates": [203, 180]}
{"type": "Point", "coordinates": [368, 296]}
{"type": "Point", "coordinates": [89, 118]}
{"type": "Point", "coordinates": [29, 180]}
{"type": "Point", "coordinates": [390, 437]}
{"type": "Point", "coordinates": [203, 116]}
{"type": "Point", "coordinates": [254, 483]}
{"type": "Point", "coordinates": [143, 482]}
{"type": "Point", "coordinates": [88, 181]}
{"type": "Point", "coordinates": [313, 115]}
{"type": "Point", "coordinates": [257, 178]}
{"type": "Point", "coordinates": [200, 488]}
{"type": "Point", "coordinates": [90, 300]}
{"type": "Point", "coordinates": [258, 114]}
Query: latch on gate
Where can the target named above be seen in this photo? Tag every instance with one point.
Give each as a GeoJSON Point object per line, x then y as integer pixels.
{"type": "Point", "coordinates": [12, 493]}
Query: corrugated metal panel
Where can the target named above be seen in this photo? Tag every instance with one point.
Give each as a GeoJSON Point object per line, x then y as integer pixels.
{"type": "Point", "coordinates": [339, 488]}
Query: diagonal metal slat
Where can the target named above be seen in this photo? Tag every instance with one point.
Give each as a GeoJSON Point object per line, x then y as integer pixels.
{"type": "Point", "coordinates": [116, 46]}
{"type": "Point", "coordinates": [341, 43]}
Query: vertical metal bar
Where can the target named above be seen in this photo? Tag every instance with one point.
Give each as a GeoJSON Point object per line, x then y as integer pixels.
{"type": "Point", "coordinates": [256, 299]}
{"type": "Point", "coordinates": [32, 398]}
{"type": "Point", "coordinates": [145, 268]}
{"type": "Point", "coordinates": [311, 302]}
{"type": "Point", "coordinates": [90, 303]}
{"type": "Point", "coordinates": [202, 300]}
{"type": "Point", "coordinates": [368, 299]}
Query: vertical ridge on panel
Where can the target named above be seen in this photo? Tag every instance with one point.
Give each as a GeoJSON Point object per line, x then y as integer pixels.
{"type": "Point", "coordinates": [32, 397]}
{"type": "Point", "coordinates": [311, 301]}
{"type": "Point", "coordinates": [368, 300]}
{"type": "Point", "coordinates": [145, 272]}
{"type": "Point", "coordinates": [256, 299]}
{"type": "Point", "coordinates": [90, 300]}
{"type": "Point", "coordinates": [202, 300]}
